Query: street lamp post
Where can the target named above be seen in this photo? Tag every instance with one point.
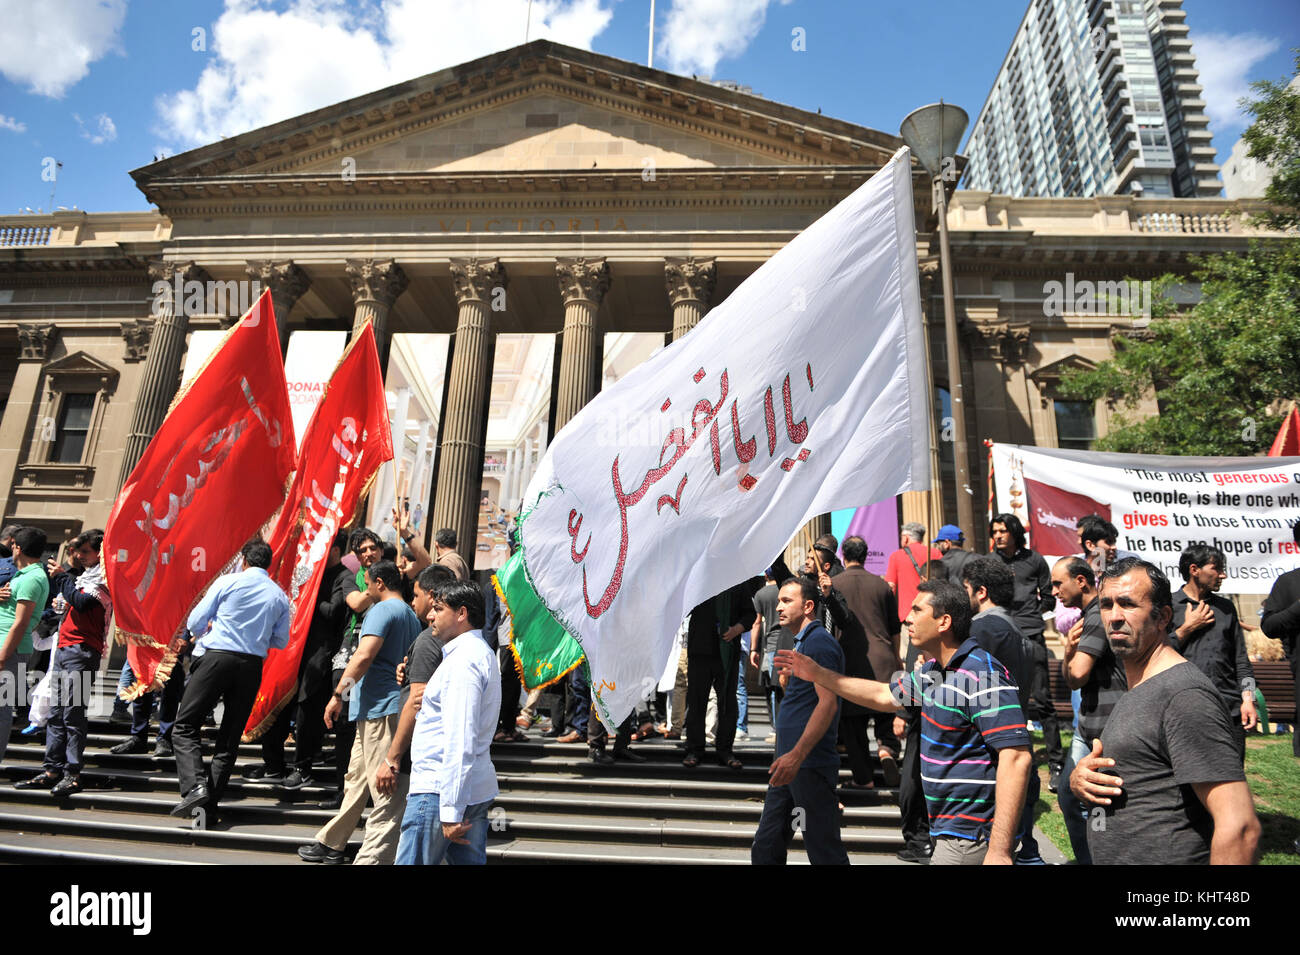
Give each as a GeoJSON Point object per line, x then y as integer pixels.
{"type": "Point", "coordinates": [933, 133]}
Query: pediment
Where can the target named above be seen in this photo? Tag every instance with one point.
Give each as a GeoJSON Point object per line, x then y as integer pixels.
{"type": "Point", "coordinates": [1050, 375]}
{"type": "Point", "coordinates": [79, 363]}
{"type": "Point", "coordinates": [538, 106]}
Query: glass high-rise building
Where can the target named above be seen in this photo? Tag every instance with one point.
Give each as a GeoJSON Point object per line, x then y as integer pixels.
{"type": "Point", "coordinates": [1096, 97]}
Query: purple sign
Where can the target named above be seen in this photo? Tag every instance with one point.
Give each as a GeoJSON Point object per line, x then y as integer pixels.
{"type": "Point", "coordinates": [877, 524]}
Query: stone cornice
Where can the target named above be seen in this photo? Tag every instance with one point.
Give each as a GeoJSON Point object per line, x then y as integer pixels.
{"type": "Point", "coordinates": [541, 66]}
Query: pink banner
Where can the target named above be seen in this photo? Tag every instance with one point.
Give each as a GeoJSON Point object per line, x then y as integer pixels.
{"type": "Point", "coordinates": [877, 524]}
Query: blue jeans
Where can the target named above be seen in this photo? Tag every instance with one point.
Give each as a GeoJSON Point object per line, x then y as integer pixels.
{"type": "Point", "coordinates": [742, 700]}
{"type": "Point", "coordinates": [65, 733]}
{"type": "Point", "coordinates": [1074, 811]}
{"type": "Point", "coordinates": [422, 841]}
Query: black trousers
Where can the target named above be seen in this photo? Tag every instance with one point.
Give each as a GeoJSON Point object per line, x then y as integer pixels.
{"type": "Point", "coordinates": [808, 804]}
{"type": "Point", "coordinates": [597, 734]}
{"type": "Point", "coordinates": [1040, 703]}
{"type": "Point", "coordinates": [853, 731]}
{"type": "Point", "coordinates": [1295, 675]}
{"type": "Point", "coordinates": [911, 799]}
{"type": "Point", "coordinates": [345, 733]}
{"type": "Point", "coordinates": [232, 678]}
{"type": "Point", "coordinates": [307, 719]}
{"type": "Point", "coordinates": [703, 674]}
{"type": "Point", "coordinates": [509, 692]}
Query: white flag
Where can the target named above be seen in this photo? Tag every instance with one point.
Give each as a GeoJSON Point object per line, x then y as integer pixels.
{"type": "Point", "coordinates": [805, 391]}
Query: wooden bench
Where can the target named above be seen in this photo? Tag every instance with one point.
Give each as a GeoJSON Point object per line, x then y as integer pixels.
{"type": "Point", "coordinates": [1274, 679]}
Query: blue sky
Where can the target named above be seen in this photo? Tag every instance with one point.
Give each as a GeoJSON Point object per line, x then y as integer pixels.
{"type": "Point", "coordinates": [103, 86]}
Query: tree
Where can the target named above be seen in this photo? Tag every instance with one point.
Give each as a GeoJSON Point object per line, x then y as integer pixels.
{"type": "Point", "coordinates": [1274, 140]}
{"type": "Point", "coordinates": [1219, 372]}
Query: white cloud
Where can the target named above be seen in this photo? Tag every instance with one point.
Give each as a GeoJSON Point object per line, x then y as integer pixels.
{"type": "Point", "coordinates": [1224, 62]}
{"type": "Point", "coordinates": [699, 33]}
{"type": "Point", "coordinates": [269, 65]}
{"type": "Point", "coordinates": [49, 46]}
{"type": "Point", "coordinates": [11, 124]}
{"type": "Point", "coordinates": [106, 129]}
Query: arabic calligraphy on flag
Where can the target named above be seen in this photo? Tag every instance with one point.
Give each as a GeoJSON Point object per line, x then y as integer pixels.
{"type": "Point", "coordinates": [345, 443]}
{"type": "Point", "coordinates": [803, 392]}
{"type": "Point", "coordinates": [214, 472]}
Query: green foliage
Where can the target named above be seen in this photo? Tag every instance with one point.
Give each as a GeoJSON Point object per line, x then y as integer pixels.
{"type": "Point", "coordinates": [1216, 369]}
{"type": "Point", "coordinates": [1274, 139]}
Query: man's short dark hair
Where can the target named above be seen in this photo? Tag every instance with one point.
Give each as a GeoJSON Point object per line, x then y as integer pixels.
{"type": "Point", "coordinates": [360, 536]}
{"type": "Point", "coordinates": [388, 551]}
{"type": "Point", "coordinates": [807, 588]}
{"type": "Point", "coordinates": [1012, 524]}
{"type": "Point", "coordinates": [854, 550]}
{"type": "Point", "coordinates": [341, 541]}
{"type": "Point", "coordinates": [446, 537]}
{"type": "Point", "coordinates": [1161, 594]}
{"type": "Point", "coordinates": [948, 598]}
{"type": "Point", "coordinates": [461, 593]}
{"type": "Point", "coordinates": [386, 572]}
{"type": "Point", "coordinates": [1078, 567]}
{"type": "Point", "coordinates": [92, 538]}
{"type": "Point", "coordinates": [434, 576]}
{"type": "Point", "coordinates": [1200, 555]}
{"type": "Point", "coordinates": [256, 553]}
{"type": "Point", "coordinates": [1295, 531]}
{"type": "Point", "coordinates": [828, 545]}
{"type": "Point", "coordinates": [30, 541]}
{"type": "Point", "coordinates": [994, 576]}
{"type": "Point", "coordinates": [1095, 528]}
{"type": "Point", "coordinates": [9, 531]}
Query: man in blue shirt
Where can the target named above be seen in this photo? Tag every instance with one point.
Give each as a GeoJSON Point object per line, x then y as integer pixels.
{"type": "Point", "coordinates": [975, 747]}
{"type": "Point", "coordinates": [370, 691]}
{"type": "Point", "coordinates": [239, 619]}
{"type": "Point", "coordinates": [801, 784]}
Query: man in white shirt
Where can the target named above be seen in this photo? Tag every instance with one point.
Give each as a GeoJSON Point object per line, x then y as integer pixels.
{"type": "Point", "coordinates": [453, 781]}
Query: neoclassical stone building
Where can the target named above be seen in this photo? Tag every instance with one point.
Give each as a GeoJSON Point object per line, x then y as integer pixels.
{"type": "Point", "coordinates": [541, 191]}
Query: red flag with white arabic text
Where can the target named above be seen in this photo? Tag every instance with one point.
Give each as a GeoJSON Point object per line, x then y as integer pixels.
{"type": "Point", "coordinates": [215, 471]}
{"type": "Point", "coordinates": [349, 437]}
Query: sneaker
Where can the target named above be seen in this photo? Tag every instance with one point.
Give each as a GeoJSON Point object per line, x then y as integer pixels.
{"type": "Point", "coordinates": [600, 757]}
{"type": "Point", "coordinates": [1030, 858]}
{"type": "Point", "coordinates": [318, 852]}
{"type": "Point", "coordinates": [769, 738]}
{"type": "Point", "coordinates": [333, 803]}
{"type": "Point", "coordinates": [742, 736]}
{"type": "Point", "coordinates": [163, 749]}
{"type": "Point", "coordinates": [919, 854]}
{"type": "Point", "coordinates": [1054, 778]}
{"type": "Point", "coordinates": [264, 774]}
{"type": "Point", "coordinates": [297, 779]}
{"type": "Point", "coordinates": [31, 729]}
{"type": "Point", "coordinates": [133, 744]}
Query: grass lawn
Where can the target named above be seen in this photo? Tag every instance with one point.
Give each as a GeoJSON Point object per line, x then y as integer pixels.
{"type": "Point", "coordinates": [1274, 777]}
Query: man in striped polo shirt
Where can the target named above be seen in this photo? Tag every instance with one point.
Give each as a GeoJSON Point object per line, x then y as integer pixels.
{"type": "Point", "coordinates": [974, 745]}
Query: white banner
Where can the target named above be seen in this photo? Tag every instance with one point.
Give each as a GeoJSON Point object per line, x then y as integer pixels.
{"type": "Point", "coordinates": [1160, 504]}
{"type": "Point", "coordinates": [804, 392]}
{"type": "Point", "coordinates": [308, 365]}
{"type": "Point", "coordinates": [198, 350]}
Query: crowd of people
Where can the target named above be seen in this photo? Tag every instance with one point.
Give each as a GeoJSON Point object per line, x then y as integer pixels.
{"type": "Point", "coordinates": [943, 661]}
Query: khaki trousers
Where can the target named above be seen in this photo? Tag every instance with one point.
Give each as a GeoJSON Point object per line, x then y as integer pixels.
{"type": "Point", "coordinates": [678, 706]}
{"type": "Point", "coordinates": [952, 851]}
{"type": "Point", "coordinates": [384, 824]}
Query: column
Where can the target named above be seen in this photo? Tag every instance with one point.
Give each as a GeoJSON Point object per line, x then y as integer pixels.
{"type": "Point", "coordinates": [376, 285]}
{"type": "Point", "coordinates": [690, 284]}
{"type": "Point", "coordinates": [161, 374]}
{"type": "Point", "coordinates": [287, 281]}
{"type": "Point", "coordinates": [583, 284]}
{"type": "Point", "coordinates": [508, 480]}
{"type": "Point", "coordinates": [460, 467]}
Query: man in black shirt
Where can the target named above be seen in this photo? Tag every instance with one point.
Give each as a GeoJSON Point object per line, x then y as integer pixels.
{"type": "Point", "coordinates": [713, 661]}
{"type": "Point", "coordinates": [1280, 620]}
{"type": "Point", "coordinates": [1033, 600]}
{"type": "Point", "coordinates": [1166, 768]}
{"type": "Point", "coordinates": [1091, 667]}
{"type": "Point", "coordinates": [1207, 632]}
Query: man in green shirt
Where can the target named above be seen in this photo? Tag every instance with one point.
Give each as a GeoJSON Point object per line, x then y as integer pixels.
{"type": "Point", "coordinates": [21, 601]}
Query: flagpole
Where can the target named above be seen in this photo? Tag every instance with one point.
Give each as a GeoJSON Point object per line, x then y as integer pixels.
{"type": "Point", "coordinates": [650, 54]}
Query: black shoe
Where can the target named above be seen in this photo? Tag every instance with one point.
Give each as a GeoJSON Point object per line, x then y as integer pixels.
{"type": "Point", "coordinates": [916, 853]}
{"type": "Point", "coordinates": [333, 804]}
{"type": "Point", "coordinates": [133, 744]}
{"type": "Point", "coordinates": [163, 749]}
{"type": "Point", "coordinates": [600, 757]}
{"type": "Point", "coordinates": [43, 781]}
{"type": "Point", "coordinates": [552, 734]}
{"type": "Point", "coordinates": [627, 755]}
{"type": "Point", "coordinates": [1054, 778]}
{"type": "Point", "coordinates": [317, 852]}
{"type": "Point", "coordinates": [265, 774]}
{"type": "Point", "coordinates": [298, 778]}
{"type": "Point", "coordinates": [67, 786]}
{"type": "Point", "coordinates": [194, 799]}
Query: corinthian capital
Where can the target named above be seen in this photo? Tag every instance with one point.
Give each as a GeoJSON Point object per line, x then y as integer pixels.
{"type": "Point", "coordinates": [582, 280]}
{"type": "Point", "coordinates": [690, 279]}
{"type": "Point", "coordinates": [376, 280]}
{"type": "Point", "coordinates": [286, 280]}
{"type": "Point", "coordinates": [476, 280]}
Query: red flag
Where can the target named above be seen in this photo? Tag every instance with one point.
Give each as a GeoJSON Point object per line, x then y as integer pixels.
{"type": "Point", "coordinates": [347, 441]}
{"type": "Point", "coordinates": [216, 470]}
{"type": "Point", "coordinates": [1054, 516]}
{"type": "Point", "coordinates": [1287, 442]}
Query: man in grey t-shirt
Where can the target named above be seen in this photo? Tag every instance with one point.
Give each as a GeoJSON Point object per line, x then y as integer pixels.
{"type": "Point", "coordinates": [1170, 779]}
